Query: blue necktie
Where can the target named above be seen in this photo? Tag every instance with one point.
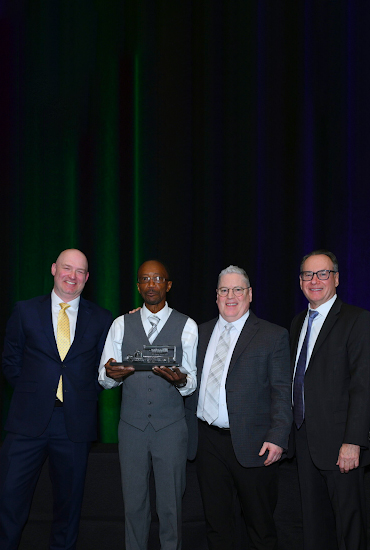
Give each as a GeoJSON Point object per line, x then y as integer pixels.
{"type": "Point", "coordinates": [298, 411]}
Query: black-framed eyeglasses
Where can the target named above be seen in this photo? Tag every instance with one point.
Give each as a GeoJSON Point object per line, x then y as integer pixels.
{"type": "Point", "coordinates": [156, 280]}
{"type": "Point", "coordinates": [237, 290]}
{"type": "Point", "coordinates": [322, 275]}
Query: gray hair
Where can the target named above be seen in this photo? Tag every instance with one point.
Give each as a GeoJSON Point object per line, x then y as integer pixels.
{"type": "Point", "coordinates": [321, 252]}
{"type": "Point", "coordinates": [234, 269]}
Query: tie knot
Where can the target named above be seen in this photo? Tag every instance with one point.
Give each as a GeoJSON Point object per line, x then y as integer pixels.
{"type": "Point", "coordinates": [228, 327]}
{"type": "Point", "coordinates": [64, 306]}
{"type": "Point", "coordinates": [313, 314]}
{"type": "Point", "coordinates": [153, 320]}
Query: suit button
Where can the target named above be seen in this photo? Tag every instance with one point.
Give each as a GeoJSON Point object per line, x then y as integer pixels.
{"type": "Point", "coordinates": [149, 375]}
{"type": "Point", "coordinates": [63, 366]}
{"type": "Point", "coordinates": [149, 415]}
{"type": "Point", "coordinates": [149, 402]}
{"type": "Point", "coordinates": [149, 389]}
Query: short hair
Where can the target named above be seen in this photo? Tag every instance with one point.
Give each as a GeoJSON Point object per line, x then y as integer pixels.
{"type": "Point", "coordinates": [322, 252]}
{"type": "Point", "coordinates": [234, 269]}
{"type": "Point", "coordinates": [158, 262]}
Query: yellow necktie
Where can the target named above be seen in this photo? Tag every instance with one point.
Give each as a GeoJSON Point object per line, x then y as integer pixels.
{"type": "Point", "coordinates": [63, 341]}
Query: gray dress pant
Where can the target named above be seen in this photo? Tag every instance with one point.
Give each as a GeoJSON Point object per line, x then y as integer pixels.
{"type": "Point", "coordinates": [164, 451]}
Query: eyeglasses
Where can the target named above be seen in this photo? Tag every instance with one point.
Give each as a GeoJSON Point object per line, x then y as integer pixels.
{"type": "Point", "coordinates": [156, 280]}
{"type": "Point", "coordinates": [322, 275]}
{"type": "Point", "coordinates": [237, 290]}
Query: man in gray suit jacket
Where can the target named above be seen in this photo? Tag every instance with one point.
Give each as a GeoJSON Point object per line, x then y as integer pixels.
{"type": "Point", "coordinates": [243, 409]}
{"type": "Point", "coordinates": [152, 432]}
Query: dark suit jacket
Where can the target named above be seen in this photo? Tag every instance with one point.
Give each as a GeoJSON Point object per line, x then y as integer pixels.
{"type": "Point", "coordinates": [257, 389]}
{"type": "Point", "coordinates": [32, 365]}
{"type": "Point", "coordinates": [337, 384]}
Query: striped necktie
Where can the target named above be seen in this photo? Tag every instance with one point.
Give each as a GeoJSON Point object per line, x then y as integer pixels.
{"type": "Point", "coordinates": [212, 392]}
{"type": "Point", "coordinates": [153, 320]}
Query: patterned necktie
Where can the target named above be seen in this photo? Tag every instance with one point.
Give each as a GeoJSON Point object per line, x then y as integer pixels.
{"type": "Point", "coordinates": [298, 385]}
{"type": "Point", "coordinates": [212, 392]}
{"type": "Point", "coordinates": [63, 341]}
{"type": "Point", "coordinates": [153, 320]}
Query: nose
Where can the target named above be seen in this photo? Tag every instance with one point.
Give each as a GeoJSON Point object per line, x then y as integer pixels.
{"type": "Point", "coordinates": [315, 278]}
{"type": "Point", "coordinates": [151, 282]}
{"type": "Point", "coordinates": [230, 293]}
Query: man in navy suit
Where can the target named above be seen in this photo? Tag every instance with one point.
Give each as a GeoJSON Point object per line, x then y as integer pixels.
{"type": "Point", "coordinates": [244, 415]}
{"type": "Point", "coordinates": [39, 424]}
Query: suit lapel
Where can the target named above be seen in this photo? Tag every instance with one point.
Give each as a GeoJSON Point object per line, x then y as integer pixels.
{"type": "Point", "coordinates": [329, 322]}
{"type": "Point", "coordinates": [44, 310]}
{"type": "Point", "coordinates": [83, 319]}
{"type": "Point", "coordinates": [294, 337]}
{"type": "Point", "coordinates": [251, 326]}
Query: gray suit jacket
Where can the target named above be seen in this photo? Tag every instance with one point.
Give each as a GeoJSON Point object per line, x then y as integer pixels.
{"type": "Point", "coordinates": [258, 390]}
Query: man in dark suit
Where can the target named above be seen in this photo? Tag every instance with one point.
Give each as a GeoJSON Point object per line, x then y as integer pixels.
{"type": "Point", "coordinates": [244, 415]}
{"type": "Point", "coordinates": [51, 355]}
{"type": "Point", "coordinates": [330, 350]}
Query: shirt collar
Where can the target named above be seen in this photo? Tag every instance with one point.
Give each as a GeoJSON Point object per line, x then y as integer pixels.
{"type": "Point", "coordinates": [162, 313]}
{"type": "Point", "coordinates": [324, 308]}
{"type": "Point", "coordinates": [238, 324]}
{"type": "Point", "coordinates": [55, 301]}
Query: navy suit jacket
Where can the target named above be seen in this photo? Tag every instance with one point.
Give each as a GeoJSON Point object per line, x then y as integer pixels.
{"type": "Point", "coordinates": [32, 365]}
{"type": "Point", "coordinates": [336, 385]}
{"type": "Point", "coordinates": [257, 389]}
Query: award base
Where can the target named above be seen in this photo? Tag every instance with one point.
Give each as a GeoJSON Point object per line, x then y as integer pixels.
{"type": "Point", "coordinates": [151, 356]}
{"type": "Point", "coordinates": [144, 366]}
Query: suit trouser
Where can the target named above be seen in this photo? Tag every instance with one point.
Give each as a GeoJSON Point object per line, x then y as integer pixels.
{"type": "Point", "coordinates": [21, 460]}
{"type": "Point", "coordinates": [164, 451]}
{"type": "Point", "coordinates": [221, 479]}
{"type": "Point", "coordinates": [324, 492]}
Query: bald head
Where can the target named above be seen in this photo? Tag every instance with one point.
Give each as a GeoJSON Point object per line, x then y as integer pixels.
{"type": "Point", "coordinates": [153, 292]}
{"type": "Point", "coordinates": [70, 273]}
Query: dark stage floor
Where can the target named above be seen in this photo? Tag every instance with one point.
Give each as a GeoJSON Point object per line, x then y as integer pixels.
{"type": "Point", "coordinates": [102, 523]}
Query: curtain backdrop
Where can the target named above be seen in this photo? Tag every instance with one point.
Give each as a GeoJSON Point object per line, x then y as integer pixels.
{"type": "Point", "coordinates": [201, 133]}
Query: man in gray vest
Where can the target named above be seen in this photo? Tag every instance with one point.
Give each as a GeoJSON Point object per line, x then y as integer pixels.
{"type": "Point", "coordinates": [152, 431]}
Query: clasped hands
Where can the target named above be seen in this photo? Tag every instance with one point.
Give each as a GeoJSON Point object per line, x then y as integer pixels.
{"type": "Point", "coordinates": [119, 372]}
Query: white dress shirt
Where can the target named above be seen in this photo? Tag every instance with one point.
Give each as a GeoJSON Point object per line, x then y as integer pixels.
{"type": "Point", "coordinates": [317, 324]}
{"type": "Point", "coordinates": [222, 421]}
{"type": "Point", "coordinates": [189, 341]}
{"type": "Point", "coordinates": [71, 311]}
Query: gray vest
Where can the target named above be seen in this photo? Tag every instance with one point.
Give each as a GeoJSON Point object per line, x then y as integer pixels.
{"type": "Point", "coordinates": [147, 397]}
